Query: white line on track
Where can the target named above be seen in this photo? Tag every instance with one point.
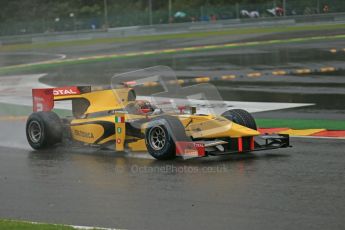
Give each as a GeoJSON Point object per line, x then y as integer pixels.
{"type": "Point", "coordinates": [91, 228]}
{"type": "Point", "coordinates": [57, 57]}
{"type": "Point", "coordinates": [318, 137]}
{"type": "Point", "coordinates": [76, 226]}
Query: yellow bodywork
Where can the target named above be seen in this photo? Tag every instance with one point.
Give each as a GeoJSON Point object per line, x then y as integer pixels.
{"type": "Point", "coordinates": [91, 130]}
{"type": "Point", "coordinates": [87, 133]}
{"type": "Point", "coordinates": [211, 126]}
{"type": "Point", "coordinates": [138, 145]}
{"type": "Point", "coordinates": [102, 100]}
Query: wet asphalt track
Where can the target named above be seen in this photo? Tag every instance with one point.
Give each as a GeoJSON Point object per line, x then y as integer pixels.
{"type": "Point", "coordinates": [296, 188]}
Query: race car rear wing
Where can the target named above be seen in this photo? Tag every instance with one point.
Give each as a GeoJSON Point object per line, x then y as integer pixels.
{"type": "Point", "coordinates": [43, 99]}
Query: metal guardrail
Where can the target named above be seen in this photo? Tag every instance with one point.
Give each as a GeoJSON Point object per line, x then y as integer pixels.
{"type": "Point", "coordinates": [174, 28]}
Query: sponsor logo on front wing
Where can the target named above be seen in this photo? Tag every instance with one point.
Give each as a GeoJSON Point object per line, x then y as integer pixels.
{"type": "Point", "coordinates": [192, 149]}
{"type": "Point", "coordinates": [198, 145]}
{"type": "Point", "coordinates": [190, 152]}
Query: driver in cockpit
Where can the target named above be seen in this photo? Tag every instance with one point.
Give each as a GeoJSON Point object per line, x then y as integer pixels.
{"type": "Point", "coordinates": [142, 107]}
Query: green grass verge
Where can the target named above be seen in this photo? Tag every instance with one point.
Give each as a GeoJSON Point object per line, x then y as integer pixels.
{"type": "Point", "coordinates": [21, 110]}
{"type": "Point", "coordinates": [236, 31]}
{"type": "Point", "coordinates": [22, 225]}
{"type": "Point", "coordinates": [91, 59]}
{"type": "Point", "coordinates": [14, 110]}
{"type": "Point", "coordinates": [301, 124]}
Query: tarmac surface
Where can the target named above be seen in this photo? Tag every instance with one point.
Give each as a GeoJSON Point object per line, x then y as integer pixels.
{"type": "Point", "coordinates": [295, 188]}
{"type": "Point", "coordinates": [317, 88]}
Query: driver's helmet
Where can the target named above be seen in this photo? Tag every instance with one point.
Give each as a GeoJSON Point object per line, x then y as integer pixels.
{"type": "Point", "coordinates": [145, 106]}
{"type": "Point", "coordinates": [140, 107]}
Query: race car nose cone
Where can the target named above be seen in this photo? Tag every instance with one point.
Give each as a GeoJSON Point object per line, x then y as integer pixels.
{"type": "Point", "coordinates": [242, 131]}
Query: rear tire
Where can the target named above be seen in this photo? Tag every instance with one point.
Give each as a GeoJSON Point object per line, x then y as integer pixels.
{"type": "Point", "coordinates": [241, 117]}
{"type": "Point", "coordinates": [161, 135]}
{"type": "Point", "coordinates": [43, 130]}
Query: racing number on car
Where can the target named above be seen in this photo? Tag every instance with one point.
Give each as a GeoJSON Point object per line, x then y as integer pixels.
{"type": "Point", "coordinates": [39, 104]}
{"type": "Point", "coordinates": [42, 100]}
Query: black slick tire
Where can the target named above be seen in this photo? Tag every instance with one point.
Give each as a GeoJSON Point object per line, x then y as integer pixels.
{"type": "Point", "coordinates": [44, 130]}
{"type": "Point", "coordinates": [161, 134]}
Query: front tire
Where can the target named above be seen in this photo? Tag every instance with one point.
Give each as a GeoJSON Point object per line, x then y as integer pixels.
{"type": "Point", "coordinates": [43, 130]}
{"type": "Point", "coordinates": [161, 135]}
{"type": "Point", "coordinates": [241, 117]}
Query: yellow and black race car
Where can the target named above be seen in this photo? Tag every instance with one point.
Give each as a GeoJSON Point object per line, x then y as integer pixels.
{"type": "Point", "coordinates": [104, 118]}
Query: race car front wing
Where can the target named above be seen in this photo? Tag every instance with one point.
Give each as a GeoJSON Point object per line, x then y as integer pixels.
{"type": "Point", "coordinates": [232, 145]}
